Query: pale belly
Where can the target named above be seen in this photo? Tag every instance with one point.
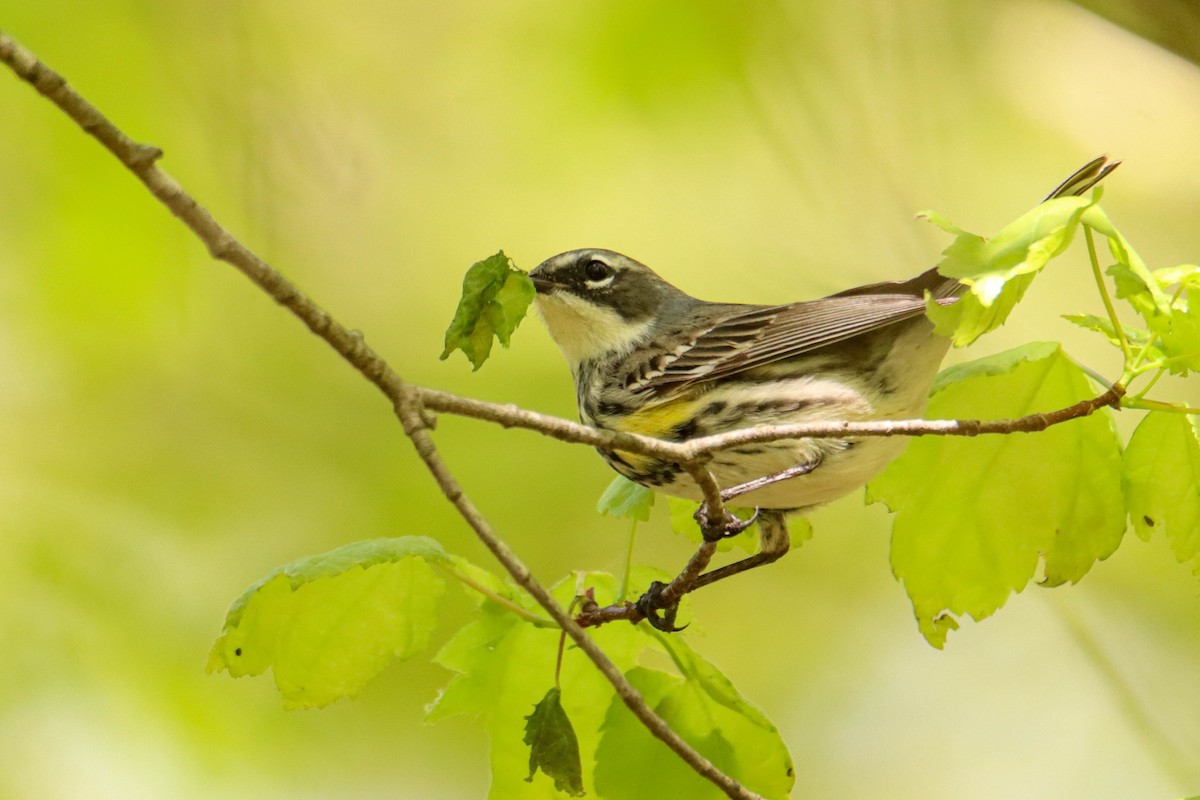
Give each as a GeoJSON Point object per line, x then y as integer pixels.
{"type": "Point", "coordinates": [837, 473]}
{"type": "Point", "coordinates": [839, 466]}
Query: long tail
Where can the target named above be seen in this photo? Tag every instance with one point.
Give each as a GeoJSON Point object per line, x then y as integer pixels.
{"type": "Point", "coordinates": [1084, 178]}
{"type": "Point", "coordinates": [1080, 181]}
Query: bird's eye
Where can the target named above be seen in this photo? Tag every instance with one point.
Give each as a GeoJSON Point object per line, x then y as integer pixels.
{"type": "Point", "coordinates": [596, 271]}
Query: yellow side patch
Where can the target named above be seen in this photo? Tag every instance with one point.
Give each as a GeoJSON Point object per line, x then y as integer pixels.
{"type": "Point", "coordinates": [657, 420]}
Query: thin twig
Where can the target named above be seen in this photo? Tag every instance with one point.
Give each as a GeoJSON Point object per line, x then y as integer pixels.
{"type": "Point", "coordinates": [509, 416]}
{"type": "Point", "coordinates": [140, 159]}
{"type": "Point", "coordinates": [1103, 288]}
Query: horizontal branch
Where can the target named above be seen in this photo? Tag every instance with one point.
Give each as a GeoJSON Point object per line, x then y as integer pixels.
{"type": "Point", "coordinates": [510, 416]}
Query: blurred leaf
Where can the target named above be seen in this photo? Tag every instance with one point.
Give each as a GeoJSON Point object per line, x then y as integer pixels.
{"type": "Point", "coordinates": [1183, 274]}
{"type": "Point", "coordinates": [495, 297]}
{"type": "Point", "coordinates": [1135, 283]}
{"type": "Point", "coordinates": [683, 522]}
{"type": "Point", "coordinates": [800, 530]}
{"type": "Point", "coordinates": [999, 270]}
{"type": "Point", "coordinates": [1137, 337]}
{"type": "Point", "coordinates": [553, 747]}
{"type": "Point", "coordinates": [326, 625]}
{"type": "Point", "coordinates": [624, 498]}
{"type": "Point", "coordinates": [1179, 333]}
{"type": "Point", "coordinates": [1161, 473]}
{"type": "Point", "coordinates": [974, 514]}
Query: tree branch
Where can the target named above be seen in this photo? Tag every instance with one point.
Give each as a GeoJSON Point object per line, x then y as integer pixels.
{"type": "Point", "coordinates": [140, 159]}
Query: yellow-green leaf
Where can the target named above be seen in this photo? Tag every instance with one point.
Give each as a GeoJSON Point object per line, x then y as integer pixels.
{"type": "Point", "coordinates": [1161, 474]}
{"type": "Point", "coordinates": [975, 515]}
{"type": "Point", "coordinates": [328, 624]}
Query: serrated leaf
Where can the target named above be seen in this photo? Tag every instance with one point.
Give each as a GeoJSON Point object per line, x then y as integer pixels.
{"type": "Point", "coordinates": [624, 498]}
{"type": "Point", "coordinates": [945, 224]}
{"type": "Point", "coordinates": [973, 515]}
{"type": "Point", "coordinates": [553, 747]}
{"type": "Point", "coordinates": [326, 625]}
{"type": "Point", "coordinates": [998, 271]}
{"type": "Point", "coordinates": [1161, 473]}
{"type": "Point", "coordinates": [495, 298]}
{"type": "Point", "coordinates": [1136, 337]}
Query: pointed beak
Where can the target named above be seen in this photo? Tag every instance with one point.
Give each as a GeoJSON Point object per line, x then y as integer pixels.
{"type": "Point", "coordinates": [542, 284]}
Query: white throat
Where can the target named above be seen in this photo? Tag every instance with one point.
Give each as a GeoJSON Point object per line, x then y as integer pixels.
{"type": "Point", "coordinates": [584, 330]}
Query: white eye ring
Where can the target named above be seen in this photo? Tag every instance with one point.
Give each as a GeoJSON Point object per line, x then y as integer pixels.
{"type": "Point", "coordinates": [598, 273]}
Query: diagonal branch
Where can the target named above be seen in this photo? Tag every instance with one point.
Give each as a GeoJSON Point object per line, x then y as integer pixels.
{"type": "Point", "coordinates": [140, 159]}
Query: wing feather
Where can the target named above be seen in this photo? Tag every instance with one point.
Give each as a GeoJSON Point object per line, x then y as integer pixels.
{"type": "Point", "coordinates": [766, 334]}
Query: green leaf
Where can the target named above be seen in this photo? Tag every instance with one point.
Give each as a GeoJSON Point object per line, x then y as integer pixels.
{"type": "Point", "coordinates": [326, 625]}
{"type": "Point", "coordinates": [1135, 283]}
{"type": "Point", "coordinates": [632, 764]}
{"type": "Point", "coordinates": [1179, 332]}
{"type": "Point", "coordinates": [705, 674]}
{"type": "Point", "coordinates": [624, 498]}
{"type": "Point", "coordinates": [502, 666]}
{"type": "Point", "coordinates": [999, 270]}
{"type": "Point", "coordinates": [553, 747]}
{"type": "Point", "coordinates": [1184, 274]}
{"type": "Point", "coordinates": [495, 297]}
{"type": "Point", "coordinates": [974, 515]}
{"type": "Point", "coordinates": [1161, 473]}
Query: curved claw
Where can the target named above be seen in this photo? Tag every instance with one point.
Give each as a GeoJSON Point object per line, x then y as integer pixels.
{"type": "Point", "coordinates": [650, 604]}
{"type": "Point", "coordinates": [730, 526]}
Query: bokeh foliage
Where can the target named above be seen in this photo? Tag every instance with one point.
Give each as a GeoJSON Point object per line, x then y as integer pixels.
{"type": "Point", "coordinates": [168, 435]}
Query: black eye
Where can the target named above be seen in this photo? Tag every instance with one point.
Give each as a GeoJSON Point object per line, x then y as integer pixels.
{"type": "Point", "coordinates": [596, 270]}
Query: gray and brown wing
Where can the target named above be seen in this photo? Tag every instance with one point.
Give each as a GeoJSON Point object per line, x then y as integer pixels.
{"type": "Point", "coordinates": [762, 335]}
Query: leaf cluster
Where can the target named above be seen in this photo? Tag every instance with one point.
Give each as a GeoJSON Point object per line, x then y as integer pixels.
{"type": "Point", "coordinates": [326, 625]}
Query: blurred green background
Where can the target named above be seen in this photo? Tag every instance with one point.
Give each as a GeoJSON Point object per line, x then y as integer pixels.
{"type": "Point", "coordinates": [167, 435]}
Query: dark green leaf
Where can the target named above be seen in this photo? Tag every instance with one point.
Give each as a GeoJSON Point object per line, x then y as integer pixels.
{"type": "Point", "coordinates": [553, 747]}
{"type": "Point", "coordinates": [502, 665]}
{"type": "Point", "coordinates": [495, 297]}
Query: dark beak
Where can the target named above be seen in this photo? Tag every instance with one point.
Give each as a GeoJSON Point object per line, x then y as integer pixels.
{"type": "Point", "coordinates": [542, 284]}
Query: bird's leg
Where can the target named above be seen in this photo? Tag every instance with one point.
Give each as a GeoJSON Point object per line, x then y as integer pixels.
{"type": "Point", "coordinates": [767, 480]}
{"type": "Point", "coordinates": [660, 603]}
{"type": "Point", "coordinates": [774, 543]}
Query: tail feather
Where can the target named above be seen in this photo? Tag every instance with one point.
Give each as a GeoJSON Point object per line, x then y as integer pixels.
{"type": "Point", "coordinates": [1084, 178]}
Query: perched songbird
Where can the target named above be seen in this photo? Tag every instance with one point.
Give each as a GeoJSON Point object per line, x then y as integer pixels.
{"type": "Point", "coordinates": [650, 359]}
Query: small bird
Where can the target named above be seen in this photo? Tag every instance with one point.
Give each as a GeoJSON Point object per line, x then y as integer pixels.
{"type": "Point", "coordinates": [648, 358]}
